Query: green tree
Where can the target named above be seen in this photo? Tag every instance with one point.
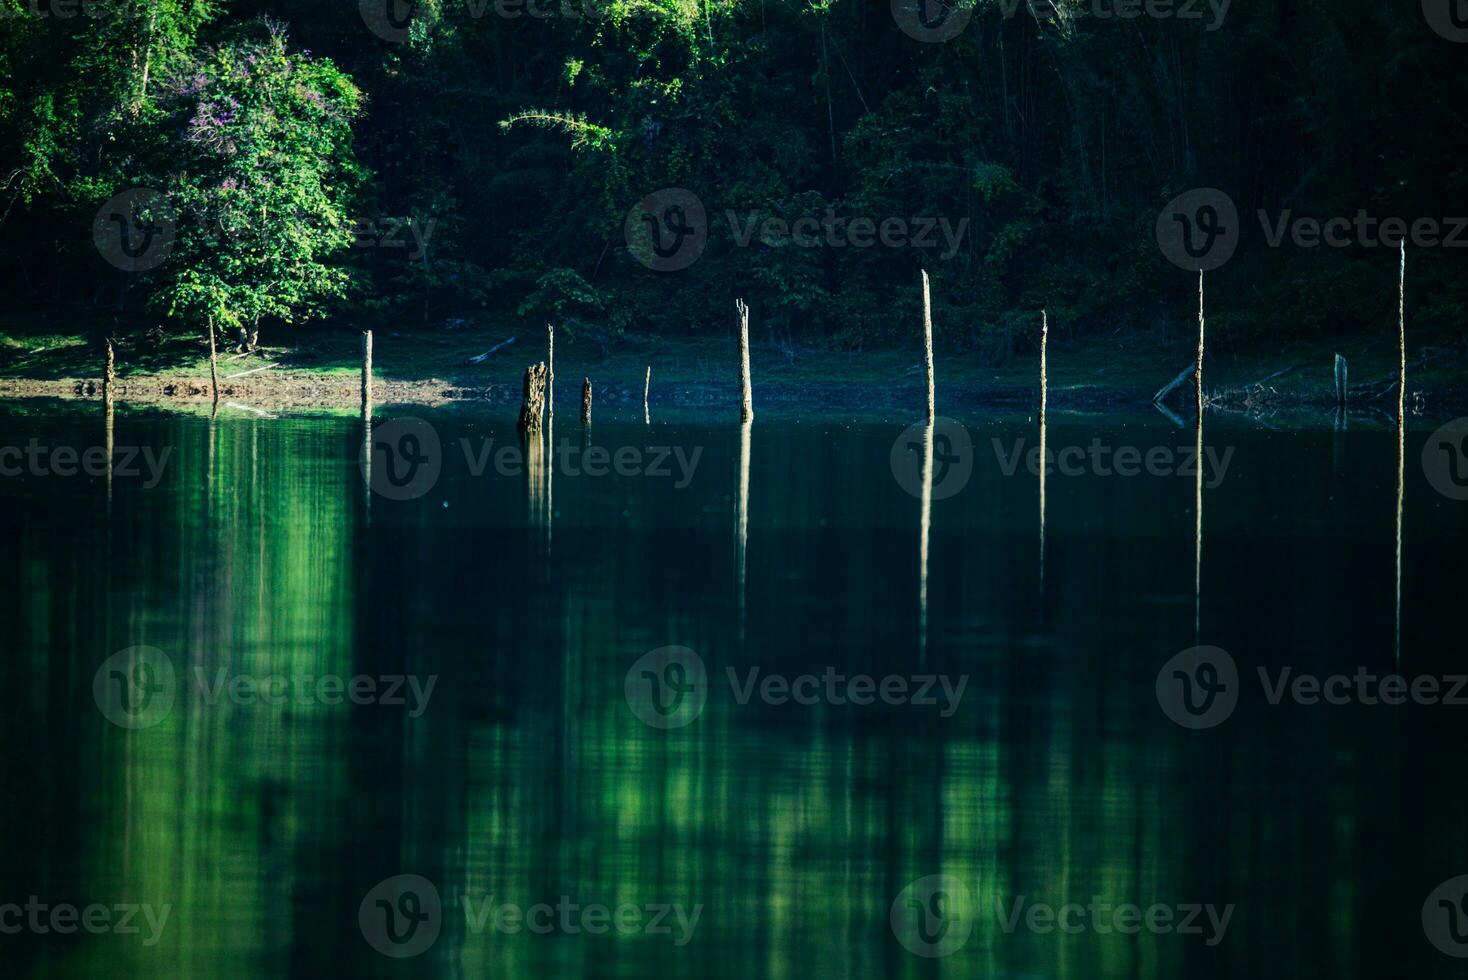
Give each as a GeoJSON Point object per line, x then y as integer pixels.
{"type": "Point", "coordinates": [264, 178]}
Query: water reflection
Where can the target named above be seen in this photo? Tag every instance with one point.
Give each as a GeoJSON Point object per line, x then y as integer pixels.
{"type": "Point", "coordinates": [795, 828]}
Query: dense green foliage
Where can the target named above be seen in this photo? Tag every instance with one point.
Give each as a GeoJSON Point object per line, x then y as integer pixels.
{"type": "Point", "coordinates": [1049, 137]}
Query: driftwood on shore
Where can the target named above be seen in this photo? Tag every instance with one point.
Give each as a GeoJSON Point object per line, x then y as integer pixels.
{"type": "Point", "coordinates": [480, 358]}
{"type": "Point", "coordinates": [1166, 390]}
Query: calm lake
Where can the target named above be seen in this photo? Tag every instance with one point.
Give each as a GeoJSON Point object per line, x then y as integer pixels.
{"type": "Point", "coordinates": [261, 720]}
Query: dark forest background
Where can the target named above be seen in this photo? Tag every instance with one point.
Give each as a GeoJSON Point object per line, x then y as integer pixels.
{"type": "Point", "coordinates": [1058, 134]}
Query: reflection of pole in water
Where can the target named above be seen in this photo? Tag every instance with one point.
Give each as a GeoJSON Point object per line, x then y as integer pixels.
{"type": "Point", "coordinates": [742, 531]}
{"type": "Point", "coordinates": [1044, 401]}
{"type": "Point", "coordinates": [107, 422]}
{"type": "Point", "coordinates": [535, 481]}
{"type": "Point", "coordinates": [550, 470]}
{"type": "Point", "coordinates": [367, 449]}
{"type": "Point", "coordinates": [924, 526]}
{"type": "Point", "coordinates": [1198, 482]}
{"type": "Point", "coordinates": [1401, 436]}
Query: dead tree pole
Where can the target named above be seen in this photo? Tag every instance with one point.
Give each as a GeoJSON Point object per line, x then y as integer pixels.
{"type": "Point", "coordinates": [746, 386]}
{"type": "Point", "coordinates": [366, 371]}
{"type": "Point", "coordinates": [928, 344]}
{"type": "Point", "coordinates": [585, 401]}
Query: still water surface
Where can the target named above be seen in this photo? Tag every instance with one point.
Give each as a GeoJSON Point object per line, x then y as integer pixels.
{"type": "Point", "coordinates": [768, 838]}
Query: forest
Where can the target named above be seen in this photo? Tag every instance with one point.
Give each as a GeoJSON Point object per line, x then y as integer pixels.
{"type": "Point", "coordinates": [490, 161]}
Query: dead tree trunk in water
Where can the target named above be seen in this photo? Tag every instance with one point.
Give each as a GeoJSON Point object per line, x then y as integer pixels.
{"type": "Point", "coordinates": [532, 402]}
{"type": "Point", "coordinates": [213, 365]}
{"type": "Point", "coordinates": [928, 344]}
{"type": "Point", "coordinates": [367, 371]}
{"type": "Point", "coordinates": [1340, 381]}
{"type": "Point", "coordinates": [1044, 380]}
{"type": "Point", "coordinates": [585, 401]}
{"type": "Point", "coordinates": [109, 375]}
{"type": "Point", "coordinates": [646, 386]}
{"type": "Point", "coordinates": [550, 369]}
{"type": "Point", "coordinates": [746, 387]}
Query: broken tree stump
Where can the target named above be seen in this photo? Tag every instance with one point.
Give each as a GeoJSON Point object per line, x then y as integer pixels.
{"type": "Point", "coordinates": [532, 402]}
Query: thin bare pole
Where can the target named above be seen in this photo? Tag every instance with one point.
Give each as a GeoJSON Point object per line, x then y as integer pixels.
{"type": "Point", "coordinates": [585, 401]}
{"type": "Point", "coordinates": [550, 370]}
{"type": "Point", "coordinates": [366, 372]}
{"type": "Point", "coordinates": [646, 387]}
{"type": "Point", "coordinates": [746, 386]}
{"type": "Point", "coordinates": [928, 344]}
{"type": "Point", "coordinates": [213, 365]}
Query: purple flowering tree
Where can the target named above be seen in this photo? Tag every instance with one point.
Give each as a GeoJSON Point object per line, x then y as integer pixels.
{"type": "Point", "coordinates": [266, 173]}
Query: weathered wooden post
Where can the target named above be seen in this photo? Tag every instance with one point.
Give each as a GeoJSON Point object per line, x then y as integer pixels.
{"type": "Point", "coordinates": [646, 386]}
{"type": "Point", "coordinates": [585, 401]}
{"type": "Point", "coordinates": [109, 375]}
{"type": "Point", "coordinates": [928, 343]}
{"type": "Point", "coordinates": [532, 401]}
{"type": "Point", "coordinates": [550, 369]}
{"type": "Point", "coordinates": [1340, 381]}
{"type": "Point", "coordinates": [746, 386]}
{"type": "Point", "coordinates": [366, 371]}
{"type": "Point", "coordinates": [1044, 382]}
{"type": "Point", "coordinates": [213, 366]}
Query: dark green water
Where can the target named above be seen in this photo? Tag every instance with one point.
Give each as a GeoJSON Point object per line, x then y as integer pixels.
{"type": "Point", "coordinates": [788, 836]}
